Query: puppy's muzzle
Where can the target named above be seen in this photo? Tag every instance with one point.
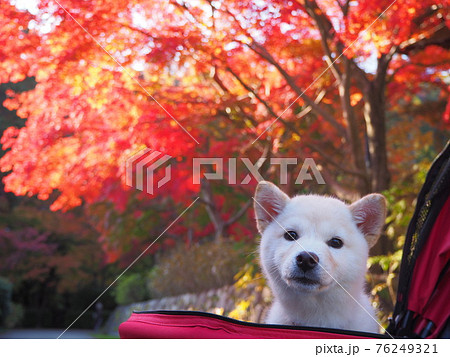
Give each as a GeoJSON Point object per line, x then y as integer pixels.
{"type": "Point", "coordinates": [307, 261]}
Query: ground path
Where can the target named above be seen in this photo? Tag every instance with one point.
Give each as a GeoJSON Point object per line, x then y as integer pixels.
{"type": "Point", "coordinates": [46, 333]}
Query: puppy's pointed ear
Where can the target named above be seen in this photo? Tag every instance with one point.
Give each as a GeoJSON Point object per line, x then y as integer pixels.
{"type": "Point", "coordinates": [369, 213]}
{"type": "Point", "coordinates": [269, 202]}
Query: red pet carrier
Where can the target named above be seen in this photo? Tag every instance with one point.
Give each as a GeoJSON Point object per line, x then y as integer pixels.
{"type": "Point", "coordinates": [422, 308]}
{"type": "Point", "coordinates": [195, 324]}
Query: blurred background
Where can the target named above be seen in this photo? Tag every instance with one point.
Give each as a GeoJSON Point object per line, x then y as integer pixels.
{"type": "Point", "coordinates": [362, 87]}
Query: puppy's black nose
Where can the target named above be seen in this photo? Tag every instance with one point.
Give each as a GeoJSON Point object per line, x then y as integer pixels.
{"type": "Point", "coordinates": [307, 260]}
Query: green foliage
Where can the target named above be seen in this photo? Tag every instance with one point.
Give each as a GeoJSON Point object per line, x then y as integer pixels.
{"type": "Point", "coordinates": [249, 275]}
{"type": "Point", "coordinates": [384, 283]}
{"type": "Point", "coordinates": [54, 260]}
{"type": "Point", "coordinates": [5, 299]}
{"type": "Point", "coordinates": [15, 317]}
{"type": "Point", "coordinates": [199, 268]}
{"type": "Point", "coordinates": [384, 269]}
{"type": "Point", "coordinates": [131, 288]}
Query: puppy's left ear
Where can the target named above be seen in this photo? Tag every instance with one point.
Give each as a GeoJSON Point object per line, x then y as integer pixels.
{"type": "Point", "coordinates": [369, 213]}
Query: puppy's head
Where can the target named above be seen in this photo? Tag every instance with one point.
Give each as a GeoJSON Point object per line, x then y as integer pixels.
{"type": "Point", "coordinates": [310, 243]}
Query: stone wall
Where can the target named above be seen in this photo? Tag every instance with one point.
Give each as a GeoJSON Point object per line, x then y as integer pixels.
{"type": "Point", "coordinates": [249, 304]}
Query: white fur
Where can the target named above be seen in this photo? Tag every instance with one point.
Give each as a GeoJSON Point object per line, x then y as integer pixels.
{"type": "Point", "coordinates": [317, 219]}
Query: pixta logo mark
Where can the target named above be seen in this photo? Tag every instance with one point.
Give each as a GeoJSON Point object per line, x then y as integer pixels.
{"type": "Point", "coordinates": [140, 170]}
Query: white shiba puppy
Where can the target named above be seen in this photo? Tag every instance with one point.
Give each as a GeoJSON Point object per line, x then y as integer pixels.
{"type": "Point", "coordinates": [314, 252]}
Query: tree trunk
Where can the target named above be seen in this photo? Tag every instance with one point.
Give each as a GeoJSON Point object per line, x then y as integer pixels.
{"type": "Point", "coordinates": [353, 128]}
{"type": "Point", "coordinates": [375, 117]}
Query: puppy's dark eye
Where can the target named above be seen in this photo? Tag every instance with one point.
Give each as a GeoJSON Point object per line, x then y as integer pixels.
{"type": "Point", "coordinates": [291, 235]}
{"type": "Point", "coordinates": [335, 242]}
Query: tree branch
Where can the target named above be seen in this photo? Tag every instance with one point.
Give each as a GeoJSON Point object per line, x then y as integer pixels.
{"type": "Point", "coordinates": [262, 52]}
{"type": "Point", "coordinates": [437, 36]}
{"type": "Point", "coordinates": [327, 33]}
{"type": "Point", "coordinates": [238, 214]}
{"type": "Point", "coordinates": [294, 130]}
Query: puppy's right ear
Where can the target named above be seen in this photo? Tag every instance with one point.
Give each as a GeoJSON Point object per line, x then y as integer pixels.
{"type": "Point", "coordinates": [269, 202]}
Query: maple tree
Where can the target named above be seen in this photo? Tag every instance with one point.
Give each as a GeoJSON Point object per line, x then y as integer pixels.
{"type": "Point", "coordinates": [305, 78]}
